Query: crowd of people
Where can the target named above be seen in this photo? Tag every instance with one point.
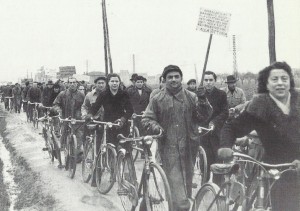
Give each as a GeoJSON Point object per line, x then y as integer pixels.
{"type": "Point", "coordinates": [274, 113]}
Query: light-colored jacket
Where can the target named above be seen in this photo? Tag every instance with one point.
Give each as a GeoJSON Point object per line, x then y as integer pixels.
{"type": "Point", "coordinates": [236, 98]}
{"type": "Point", "coordinates": [89, 99]}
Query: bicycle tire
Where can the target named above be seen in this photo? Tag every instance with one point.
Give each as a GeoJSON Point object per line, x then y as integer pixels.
{"type": "Point", "coordinates": [56, 148]}
{"type": "Point", "coordinates": [135, 153]}
{"type": "Point", "coordinates": [159, 191]}
{"type": "Point", "coordinates": [34, 117]}
{"type": "Point", "coordinates": [105, 169]}
{"type": "Point", "coordinates": [205, 196]}
{"type": "Point", "coordinates": [72, 159]}
{"type": "Point", "coordinates": [49, 146]}
{"type": "Point", "coordinates": [200, 170]}
{"type": "Point", "coordinates": [127, 190]}
{"type": "Point", "coordinates": [87, 161]}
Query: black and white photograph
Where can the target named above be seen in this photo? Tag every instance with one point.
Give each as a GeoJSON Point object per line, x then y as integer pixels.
{"type": "Point", "coordinates": [149, 105]}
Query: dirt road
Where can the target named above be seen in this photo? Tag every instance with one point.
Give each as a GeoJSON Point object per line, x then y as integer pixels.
{"type": "Point", "coordinates": [71, 194]}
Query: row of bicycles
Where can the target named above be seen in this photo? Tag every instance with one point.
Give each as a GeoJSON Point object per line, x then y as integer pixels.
{"type": "Point", "coordinates": [246, 181]}
{"type": "Point", "coordinates": [107, 164]}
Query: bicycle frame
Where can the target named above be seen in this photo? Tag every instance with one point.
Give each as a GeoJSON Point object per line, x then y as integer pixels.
{"type": "Point", "coordinates": [104, 143]}
{"type": "Point", "coordinates": [264, 178]}
{"type": "Point", "coordinates": [142, 189]}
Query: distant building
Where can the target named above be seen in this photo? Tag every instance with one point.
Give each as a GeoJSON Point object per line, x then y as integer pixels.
{"type": "Point", "coordinates": [66, 72]}
{"type": "Point", "coordinates": [125, 77]}
{"type": "Point", "coordinates": [94, 74]}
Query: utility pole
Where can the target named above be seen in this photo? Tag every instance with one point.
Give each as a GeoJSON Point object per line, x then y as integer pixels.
{"type": "Point", "coordinates": [235, 69]}
{"type": "Point", "coordinates": [87, 67]}
{"type": "Point", "coordinates": [107, 53]}
{"type": "Point", "coordinates": [133, 63]}
{"type": "Point", "coordinates": [271, 26]}
{"type": "Point", "coordinates": [196, 74]}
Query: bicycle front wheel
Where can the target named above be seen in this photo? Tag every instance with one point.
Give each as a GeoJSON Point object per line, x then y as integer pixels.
{"type": "Point", "coordinates": [135, 153]}
{"type": "Point", "coordinates": [127, 187]}
{"type": "Point", "coordinates": [72, 156]}
{"type": "Point", "coordinates": [34, 118]}
{"type": "Point", "coordinates": [200, 170]}
{"type": "Point", "coordinates": [56, 148]}
{"type": "Point", "coordinates": [159, 191]}
{"type": "Point", "coordinates": [49, 145]}
{"type": "Point", "coordinates": [88, 160]}
{"type": "Point", "coordinates": [207, 199]}
{"type": "Point", "coordinates": [105, 168]}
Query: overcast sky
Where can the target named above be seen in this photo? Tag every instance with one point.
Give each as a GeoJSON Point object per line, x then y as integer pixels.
{"type": "Point", "coordinates": [53, 33]}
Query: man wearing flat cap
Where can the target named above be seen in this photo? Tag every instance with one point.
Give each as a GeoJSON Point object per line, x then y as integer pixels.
{"type": "Point", "coordinates": [47, 94]}
{"type": "Point", "coordinates": [90, 98]}
{"type": "Point", "coordinates": [174, 110]}
{"type": "Point", "coordinates": [235, 96]}
{"type": "Point", "coordinates": [192, 86]}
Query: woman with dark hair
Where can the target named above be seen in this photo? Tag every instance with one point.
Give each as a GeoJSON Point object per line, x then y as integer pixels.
{"type": "Point", "coordinates": [117, 107]}
{"type": "Point", "coordinates": [275, 114]}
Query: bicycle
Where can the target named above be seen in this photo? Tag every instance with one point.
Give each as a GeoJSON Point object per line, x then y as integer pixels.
{"type": "Point", "coordinates": [10, 105]}
{"type": "Point", "coordinates": [69, 145]}
{"type": "Point", "coordinates": [51, 140]}
{"type": "Point", "coordinates": [200, 166]}
{"type": "Point", "coordinates": [258, 195]}
{"type": "Point", "coordinates": [103, 161]}
{"type": "Point", "coordinates": [134, 133]}
{"type": "Point", "coordinates": [34, 114]}
{"type": "Point", "coordinates": [233, 195]}
{"type": "Point", "coordinates": [154, 188]}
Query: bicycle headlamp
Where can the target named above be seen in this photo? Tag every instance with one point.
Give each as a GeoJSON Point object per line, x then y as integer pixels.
{"type": "Point", "coordinates": [73, 121]}
{"type": "Point", "coordinates": [148, 140]}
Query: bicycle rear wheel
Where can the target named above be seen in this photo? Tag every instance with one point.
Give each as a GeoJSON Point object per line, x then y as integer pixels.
{"type": "Point", "coordinates": [88, 160]}
{"type": "Point", "coordinates": [127, 187]}
{"type": "Point", "coordinates": [72, 156]}
{"type": "Point", "coordinates": [200, 171]}
{"type": "Point", "coordinates": [105, 169]}
{"type": "Point", "coordinates": [207, 198]}
{"type": "Point", "coordinates": [159, 191]}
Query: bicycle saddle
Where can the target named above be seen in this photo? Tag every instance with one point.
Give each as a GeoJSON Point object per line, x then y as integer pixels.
{"type": "Point", "coordinates": [224, 168]}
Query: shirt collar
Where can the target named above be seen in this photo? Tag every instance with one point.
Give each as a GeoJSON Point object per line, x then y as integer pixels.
{"type": "Point", "coordinates": [285, 108]}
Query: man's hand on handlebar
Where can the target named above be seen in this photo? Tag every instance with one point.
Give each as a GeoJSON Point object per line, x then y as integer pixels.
{"type": "Point", "coordinates": [121, 122]}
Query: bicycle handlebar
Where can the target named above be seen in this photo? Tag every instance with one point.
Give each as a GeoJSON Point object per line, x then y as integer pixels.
{"type": "Point", "coordinates": [72, 121]}
{"type": "Point", "coordinates": [35, 103]}
{"type": "Point", "coordinates": [109, 124]}
{"type": "Point", "coordinates": [265, 165]}
{"type": "Point", "coordinates": [8, 97]}
{"type": "Point", "coordinates": [124, 139]}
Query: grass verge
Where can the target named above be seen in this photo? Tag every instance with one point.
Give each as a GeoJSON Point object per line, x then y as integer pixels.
{"type": "Point", "coordinates": [4, 198]}
{"type": "Point", "coordinates": [32, 195]}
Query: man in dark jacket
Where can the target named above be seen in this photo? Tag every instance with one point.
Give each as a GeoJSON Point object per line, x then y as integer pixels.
{"type": "Point", "coordinates": [69, 103]}
{"type": "Point", "coordinates": [17, 94]}
{"type": "Point", "coordinates": [47, 93]}
{"type": "Point", "coordinates": [218, 100]}
{"type": "Point", "coordinates": [175, 111]}
{"type": "Point", "coordinates": [34, 95]}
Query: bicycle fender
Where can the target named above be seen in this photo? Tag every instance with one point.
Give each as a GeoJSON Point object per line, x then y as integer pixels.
{"type": "Point", "coordinates": [110, 144]}
{"type": "Point", "coordinates": [122, 150]}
